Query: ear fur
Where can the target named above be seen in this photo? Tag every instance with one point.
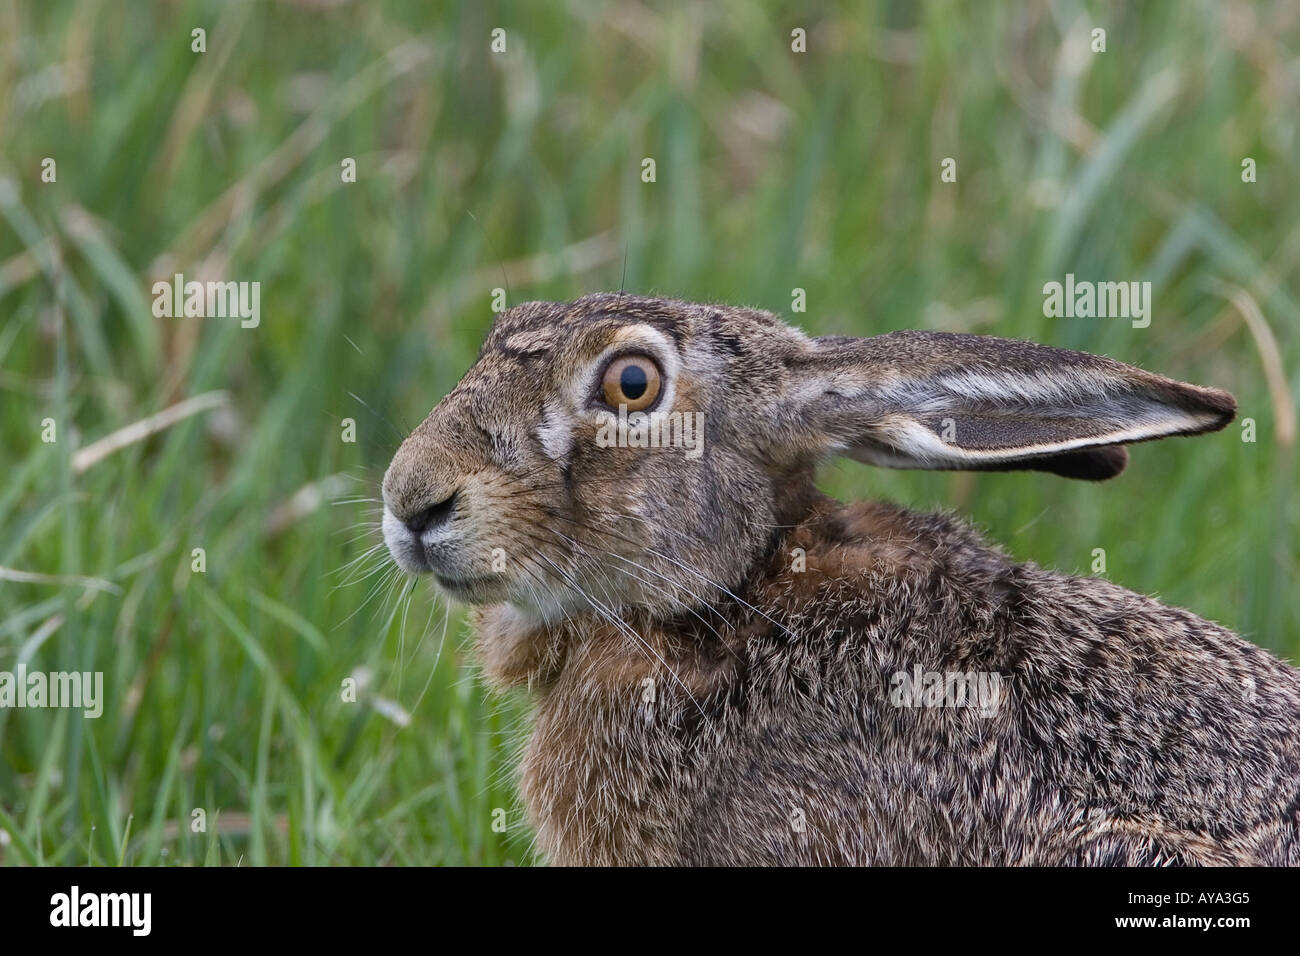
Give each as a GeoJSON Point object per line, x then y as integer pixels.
{"type": "Point", "coordinates": [942, 400]}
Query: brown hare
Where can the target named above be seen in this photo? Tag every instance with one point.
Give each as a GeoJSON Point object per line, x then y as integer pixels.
{"type": "Point", "coordinates": [731, 668]}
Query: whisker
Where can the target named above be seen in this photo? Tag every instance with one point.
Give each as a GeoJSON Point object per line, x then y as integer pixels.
{"type": "Point", "coordinates": [658, 590]}
{"type": "Point", "coordinates": [626, 629]}
{"type": "Point", "coordinates": [446, 618]}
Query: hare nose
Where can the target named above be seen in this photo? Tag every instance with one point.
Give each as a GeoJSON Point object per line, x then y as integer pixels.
{"type": "Point", "coordinates": [432, 516]}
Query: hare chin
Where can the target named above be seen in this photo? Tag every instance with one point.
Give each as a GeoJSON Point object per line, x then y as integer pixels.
{"type": "Point", "coordinates": [480, 589]}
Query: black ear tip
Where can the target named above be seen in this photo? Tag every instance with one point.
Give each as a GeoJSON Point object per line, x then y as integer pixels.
{"type": "Point", "coordinates": [1089, 464]}
{"type": "Point", "coordinates": [1094, 464]}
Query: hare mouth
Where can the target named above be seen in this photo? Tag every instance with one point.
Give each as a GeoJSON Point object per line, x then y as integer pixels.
{"type": "Point", "coordinates": [467, 589]}
{"type": "Point", "coordinates": [458, 584]}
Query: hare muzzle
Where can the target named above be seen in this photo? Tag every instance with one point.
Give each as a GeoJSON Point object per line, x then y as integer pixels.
{"type": "Point", "coordinates": [430, 518]}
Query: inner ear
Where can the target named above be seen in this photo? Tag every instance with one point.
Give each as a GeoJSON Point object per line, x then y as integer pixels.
{"type": "Point", "coordinates": [948, 401]}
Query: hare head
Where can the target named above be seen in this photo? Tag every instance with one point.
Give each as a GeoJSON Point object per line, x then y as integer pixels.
{"type": "Point", "coordinates": [537, 481]}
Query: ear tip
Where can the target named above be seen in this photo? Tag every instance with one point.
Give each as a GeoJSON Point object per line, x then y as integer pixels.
{"type": "Point", "coordinates": [1220, 404]}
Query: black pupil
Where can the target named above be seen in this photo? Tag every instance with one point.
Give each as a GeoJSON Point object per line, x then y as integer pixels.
{"type": "Point", "coordinates": [632, 381]}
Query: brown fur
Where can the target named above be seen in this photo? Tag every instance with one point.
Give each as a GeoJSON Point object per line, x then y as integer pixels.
{"type": "Point", "coordinates": [711, 643]}
{"type": "Point", "coordinates": [1128, 739]}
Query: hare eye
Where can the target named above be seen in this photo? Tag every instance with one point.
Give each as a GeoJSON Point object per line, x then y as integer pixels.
{"type": "Point", "coordinates": [631, 380]}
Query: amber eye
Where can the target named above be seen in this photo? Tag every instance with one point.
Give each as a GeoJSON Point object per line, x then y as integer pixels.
{"type": "Point", "coordinates": [631, 380]}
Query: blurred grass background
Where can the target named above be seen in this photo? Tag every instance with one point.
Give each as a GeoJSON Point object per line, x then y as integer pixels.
{"type": "Point", "coordinates": [775, 170]}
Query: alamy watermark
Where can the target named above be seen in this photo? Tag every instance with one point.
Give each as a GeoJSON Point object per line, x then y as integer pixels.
{"type": "Point", "coordinates": [684, 430]}
{"type": "Point", "coordinates": [132, 911]}
{"type": "Point", "coordinates": [979, 690]}
{"type": "Point", "coordinates": [208, 300]}
{"type": "Point", "coordinates": [57, 689]}
{"type": "Point", "coordinates": [1098, 300]}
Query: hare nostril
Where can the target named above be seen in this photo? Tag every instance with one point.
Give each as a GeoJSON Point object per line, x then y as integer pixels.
{"type": "Point", "coordinates": [432, 516]}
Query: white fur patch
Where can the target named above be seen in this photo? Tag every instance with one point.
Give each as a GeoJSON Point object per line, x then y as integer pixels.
{"type": "Point", "coordinates": [555, 432]}
{"type": "Point", "coordinates": [402, 545]}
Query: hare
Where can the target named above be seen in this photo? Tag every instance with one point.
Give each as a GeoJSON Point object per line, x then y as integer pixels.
{"type": "Point", "coordinates": [731, 668]}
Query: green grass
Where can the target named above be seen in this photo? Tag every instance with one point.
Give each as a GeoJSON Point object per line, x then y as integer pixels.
{"type": "Point", "coordinates": [775, 171]}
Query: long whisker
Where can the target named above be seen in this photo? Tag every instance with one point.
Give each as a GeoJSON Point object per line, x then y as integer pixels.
{"type": "Point", "coordinates": [646, 570]}
{"type": "Point", "coordinates": [702, 576]}
{"type": "Point", "coordinates": [640, 546]}
{"type": "Point", "coordinates": [356, 562]}
{"type": "Point", "coordinates": [626, 629]}
{"type": "Point", "coordinates": [401, 635]}
{"type": "Point", "coordinates": [383, 565]}
{"type": "Point", "coordinates": [392, 572]}
{"type": "Point", "coordinates": [446, 618]}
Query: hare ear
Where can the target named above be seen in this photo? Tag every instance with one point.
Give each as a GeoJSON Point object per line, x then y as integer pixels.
{"type": "Point", "coordinates": [946, 401]}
